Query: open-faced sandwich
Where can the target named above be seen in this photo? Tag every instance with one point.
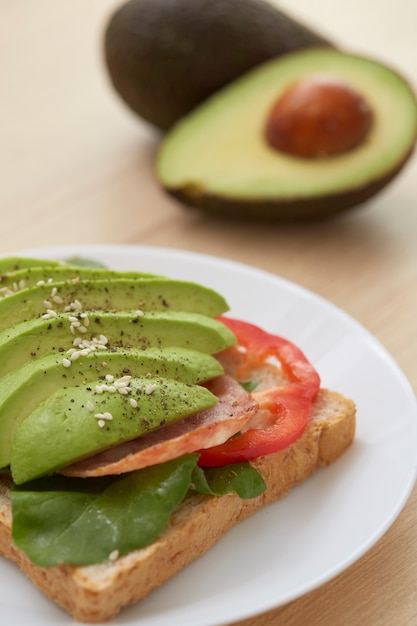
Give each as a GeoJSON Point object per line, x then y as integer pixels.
{"type": "Point", "coordinates": [138, 423]}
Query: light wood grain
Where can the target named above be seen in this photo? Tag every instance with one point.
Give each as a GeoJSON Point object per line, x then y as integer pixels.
{"type": "Point", "coordinates": [77, 167]}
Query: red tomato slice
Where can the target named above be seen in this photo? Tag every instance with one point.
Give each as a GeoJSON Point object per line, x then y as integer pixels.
{"type": "Point", "coordinates": [290, 403]}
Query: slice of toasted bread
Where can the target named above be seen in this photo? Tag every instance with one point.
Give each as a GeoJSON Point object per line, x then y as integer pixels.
{"type": "Point", "coordinates": [98, 592]}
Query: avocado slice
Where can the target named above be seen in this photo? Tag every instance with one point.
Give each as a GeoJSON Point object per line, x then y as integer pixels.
{"type": "Point", "coordinates": [67, 426]}
{"type": "Point", "coordinates": [38, 337]}
{"type": "Point", "coordinates": [165, 58]}
{"type": "Point", "coordinates": [29, 277]}
{"type": "Point", "coordinates": [23, 389]}
{"type": "Point", "coordinates": [15, 263]}
{"type": "Point", "coordinates": [217, 157]}
{"type": "Point", "coordinates": [157, 294]}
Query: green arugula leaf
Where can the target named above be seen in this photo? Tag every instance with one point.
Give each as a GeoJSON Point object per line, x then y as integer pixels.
{"type": "Point", "coordinates": [81, 522]}
{"type": "Point", "coordinates": [241, 478]}
{"type": "Point", "coordinates": [249, 385]}
{"type": "Point", "coordinates": [84, 262]}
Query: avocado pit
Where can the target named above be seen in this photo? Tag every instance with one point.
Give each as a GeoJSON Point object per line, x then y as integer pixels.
{"type": "Point", "coordinates": [318, 116]}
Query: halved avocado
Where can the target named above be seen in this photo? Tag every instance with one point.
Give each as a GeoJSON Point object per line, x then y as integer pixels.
{"type": "Point", "coordinates": [217, 158]}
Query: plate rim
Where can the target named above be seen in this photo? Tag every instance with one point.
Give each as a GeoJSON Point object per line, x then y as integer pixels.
{"type": "Point", "coordinates": [103, 250]}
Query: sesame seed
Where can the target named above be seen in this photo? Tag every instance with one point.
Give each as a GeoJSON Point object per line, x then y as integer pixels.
{"type": "Point", "coordinates": [90, 406]}
{"type": "Point", "coordinates": [47, 304]}
{"type": "Point", "coordinates": [139, 313]}
{"type": "Point", "coordinates": [104, 416]}
{"type": "Point", "coordinates": [5, 291]}
{"type": "Point", "coordinates": [109, 378]}
{"type": "Point", "coordinates": [113, 556]}
{"type": "Point", "coordinates": [150, 388]}
{"type": "Point", "coordinates": [101, 423]}
{"type": "Point", "coordinates": [49, 313]}
{"type": "Point", "coordinates": [85, 319]}
{"type": "Point", "coordinates": [123, 390]}
{"type": "Point", "coordinates": [40, 283]}
{"type": "Point", "coordinates": [133, 403]}
{"type": "Point", "coordinates": [73, 306]}
{"type": "Point", "coordinates": [75, 355]}
{"type": "Point", "coordinates": [66, 362]}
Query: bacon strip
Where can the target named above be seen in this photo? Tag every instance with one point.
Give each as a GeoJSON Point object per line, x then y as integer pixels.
{"type": "Point", "coordinates": [202, 430]}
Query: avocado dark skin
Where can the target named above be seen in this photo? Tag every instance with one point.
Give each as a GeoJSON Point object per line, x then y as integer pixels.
{"type": "Point", "coordinates": [291, 210]}
{"type": "Point", "coordinates": [165, 57]}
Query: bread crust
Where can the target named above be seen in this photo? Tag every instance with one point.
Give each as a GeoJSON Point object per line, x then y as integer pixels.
{"type": "Point", "coordinates": [98, 592]}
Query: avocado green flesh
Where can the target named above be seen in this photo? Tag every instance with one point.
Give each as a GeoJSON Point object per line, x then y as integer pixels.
{"type": "Point", "coordinates": [217, 157]}
{"type": "Point", "coordinates": [38, 337]}
{"type": "Point", "coordinates": [147, 294]}
{"type": "Point", "coordinates": [17, 263]}
{"type": "Point", "coordinates": [23, 389]}
{"type": "Point", "coordinates": [62, 429]}
{"type": "Point", "coordinates": [29, 277]}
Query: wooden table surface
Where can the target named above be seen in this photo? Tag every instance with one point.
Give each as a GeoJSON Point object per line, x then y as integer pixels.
{"type": "Point", "coordinates": [77, 167]}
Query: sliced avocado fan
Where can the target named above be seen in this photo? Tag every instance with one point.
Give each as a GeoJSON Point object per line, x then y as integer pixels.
{"type": "Point", "coordinates": [218, 159]}
{"type": "Point", "coordinates": [72, 339]}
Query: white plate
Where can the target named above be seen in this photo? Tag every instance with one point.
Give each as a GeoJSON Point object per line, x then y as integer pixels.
{"type": "Point", "coordinates": [324, 525]}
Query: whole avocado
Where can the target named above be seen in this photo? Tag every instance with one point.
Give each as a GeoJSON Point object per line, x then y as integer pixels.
{"type": "Point", "coordinates": [165, 57]}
